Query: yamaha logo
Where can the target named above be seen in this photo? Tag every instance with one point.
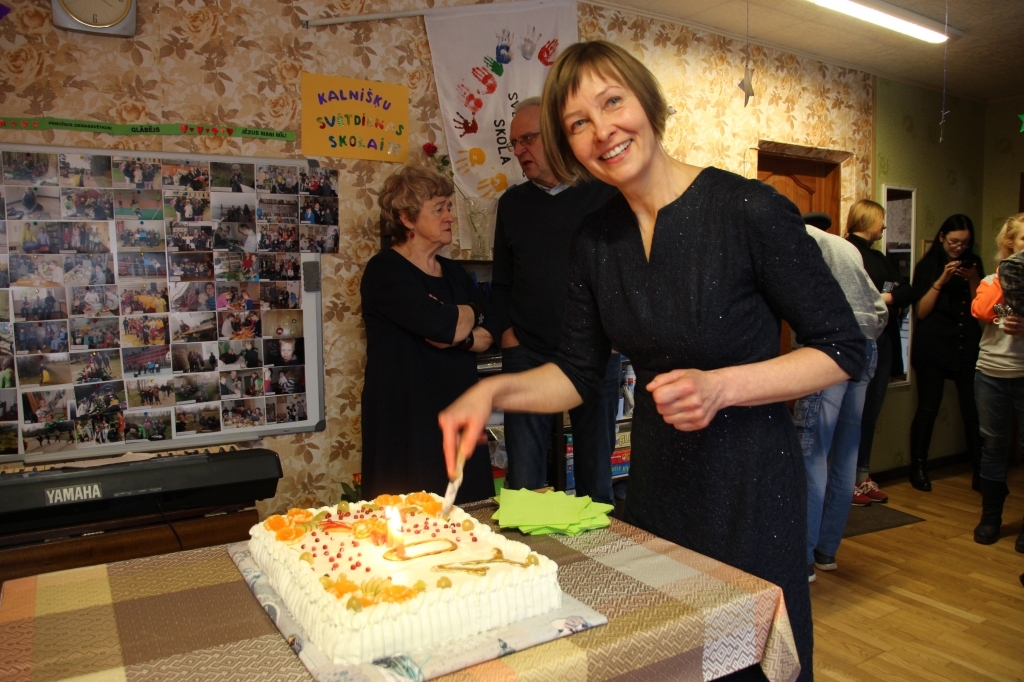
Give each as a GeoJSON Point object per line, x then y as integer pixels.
{"type": "Point", "coordinates": [74, 493]}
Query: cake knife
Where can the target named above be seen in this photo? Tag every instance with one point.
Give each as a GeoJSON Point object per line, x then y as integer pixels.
{"type": "Point", "coordinates": [454, 481]}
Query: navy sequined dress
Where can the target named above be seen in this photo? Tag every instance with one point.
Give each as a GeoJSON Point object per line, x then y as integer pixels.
{"type": "Point", "coordinates": [729, 259]}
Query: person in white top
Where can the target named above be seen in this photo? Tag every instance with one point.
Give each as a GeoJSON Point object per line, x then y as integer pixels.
{"type": "Point", "coordinates": [998, 383]}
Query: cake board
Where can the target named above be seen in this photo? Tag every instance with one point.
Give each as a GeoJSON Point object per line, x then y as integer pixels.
{"type": "Point", "coordinates": [572, 617]}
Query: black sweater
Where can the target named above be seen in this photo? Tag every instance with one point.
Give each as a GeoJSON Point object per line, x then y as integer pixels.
{"type": "Point", "coordinates": [949, 337]}
{"type": "Point", "coordinates": [531, 254]}
{"type": "Point", "coordinates": [882, 270]}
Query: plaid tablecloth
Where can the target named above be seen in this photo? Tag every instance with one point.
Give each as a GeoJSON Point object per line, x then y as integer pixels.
{"type": "Point", "coordinates": [672, 615]}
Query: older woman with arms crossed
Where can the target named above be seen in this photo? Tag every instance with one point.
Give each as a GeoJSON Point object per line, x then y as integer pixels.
{"type": "Point", "coordinates": [689, 272]}
{"type": "Point", "coordinates": [424, 325]}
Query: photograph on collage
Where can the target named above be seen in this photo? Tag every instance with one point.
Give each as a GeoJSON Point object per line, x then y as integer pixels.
{"type": "Point", "coordinates": [238, 414]}
{"type": "Point", "coordinates": [34, 304]}
{"type": "Point", "coordinates": [47, 369]}
{"type": "Point", "coordinates": [131, 172]}
{"type": "Point", "coordinates": [94, 366]}
{"type": "Point", "coordinates": [190, 266]}
{"type": "Point", "coordinates": [147, 297]}
{"type": "Point", "coordinates": [87, 204]}
{"type": "Point", "coordinates": [187, 207]}
{"type": "Point", "coordinates": [140, 235]}
{"type": "Point", "coordinates": [189, 237]}
{"type": "Point", "coordinates": [281, 295]}
{"type": "Point", "coordinates": [9, 401]}
{"type": "Point", "coordinates": [100, 398]}
{"type": "Point", "coordinates": [37, 270]}
{"type": "Point", "coordinates": [33, 203]}
{"type": "Point", "coordinates": [282, 324]}
{"type": "Point", "coordinates": [143, 330]}
{"type": "Point", "coordinates": [284, 380]}
{"type": "Point", "coordinates": [197, 419]}
{"type": "Point", "coordinates": [226, 176]}
{"type": "Point", "coordinates": [233, 208]}
{"type": "Point", "coordinates": [318, 210]}
{"type": "Point", "coordinates": [144, 265]}
{"type": "Point", "coordinates": [318, 238]}
{"type": "Point", "coordinates": [191, 297]}
{"type": "Point", "coordinates": [5, 306]}
{"type": "Point", "coordinates": [4, 248]}
{"type": "Point", "coordinates": [279, 267]}
{"type": "Point", "coordinates": [240, 354]}
{"type": "Point", "coordinates": [95, 333]}
{"type": "Point", "coordinates": [84, 237]}
{"type": "Point", "coordinates": [235, 326]}
{"type": "Point", "coordinates": [33, 236]}
{"type": "Point", "coordinates": [97, 301]}
{"type": "Point", "coordinates": [29, 168]}
{"type": "Point", "coordinates": [196, 388]}
{"type": "Point", "coordinates": [194, 357]}
{"type": "Point", "coordinates": [5, 273]}
{"type": "Point", "coordinates": [286, 408]}
{"type": "Point", "coordinates": [236, 236]}
{"type": "Point", "coordinates": [45, 405]}
{"type": "Point", "coordinates": [238, 296]}
{"type": "Point", "coordinates": [277, 208]}
{"type": "Point", "coordinates": [275, 237]}
{"type": "Point", "coordinates": [247, 383]}
{"type": "Point", "coordinates": [191, 327]}
{"type": "Point", "coordinates": [146, 361]}
{"type": "Point", "coordinates": [82, 269]}
{"type": "Point", "coordinates": [150, 392]}
{"type": "Point", "coordinates": [182, 175]}
{"type": "Point", "coordinates": [97, 429]}
{"type": "Point", "coordinates": [77, 170]}
{"type": "Point", "coordinates": [139, 204]}
{"type": "Point", "coordinates": [236, 267]}
{"type": "Point", "coordinates": [284, 352]}
{"type": "Point", "coordinates": [321, 182]}
{"type": "Point", "coordinates": [41, 337]}
{"type": "Point", "coordinates": [148, 425]}
{"type": "Point", "coordinates": [37, 439]}
{"type": "Point", "coordinates": [271, 179]}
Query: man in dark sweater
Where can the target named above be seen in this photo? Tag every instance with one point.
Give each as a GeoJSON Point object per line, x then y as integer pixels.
{"type": "Point", "coordinates": [535, 224]}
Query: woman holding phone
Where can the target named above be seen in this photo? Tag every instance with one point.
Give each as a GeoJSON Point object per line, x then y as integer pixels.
{"type": "Point", "coordinates": [688, 271]}
{"type": "Point", "coordinates": [945, 340]}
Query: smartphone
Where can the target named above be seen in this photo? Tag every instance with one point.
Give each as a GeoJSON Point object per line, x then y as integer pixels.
{"type": "Point", "coordinates": [888, 287]}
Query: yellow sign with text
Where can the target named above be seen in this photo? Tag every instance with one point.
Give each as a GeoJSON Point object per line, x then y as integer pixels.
{"type": "Point", "coordinates": [354, 119]}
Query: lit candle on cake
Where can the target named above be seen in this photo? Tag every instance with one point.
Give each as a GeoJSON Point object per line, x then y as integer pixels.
{"type": "Point", "coordinates": [396, 540]}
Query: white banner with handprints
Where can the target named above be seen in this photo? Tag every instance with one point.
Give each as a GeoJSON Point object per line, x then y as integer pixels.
{"type": "Point", "coordinates": [487, 58]}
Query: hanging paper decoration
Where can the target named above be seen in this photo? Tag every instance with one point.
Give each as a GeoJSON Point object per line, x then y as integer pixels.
{"type": "Point", "coordinates": [747, 84]}
{"type": "Point", "coordinates": [209, 130]}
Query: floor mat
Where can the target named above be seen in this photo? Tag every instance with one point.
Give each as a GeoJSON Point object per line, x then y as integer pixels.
{"type": "Point", "coordinates": [875, 518]}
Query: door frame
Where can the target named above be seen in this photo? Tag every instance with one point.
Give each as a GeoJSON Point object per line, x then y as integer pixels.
{"type": "Point", "coordinates": [914, 257]}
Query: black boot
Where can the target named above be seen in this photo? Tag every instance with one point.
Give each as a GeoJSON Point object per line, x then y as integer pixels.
{"type": "Point", "coordinates": [919, 475]}
{"type": "Point", "coordinates": [993, 494]}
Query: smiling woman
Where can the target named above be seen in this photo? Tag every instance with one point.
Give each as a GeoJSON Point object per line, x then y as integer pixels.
{"type": "Point", "coordinates": [688, 271]}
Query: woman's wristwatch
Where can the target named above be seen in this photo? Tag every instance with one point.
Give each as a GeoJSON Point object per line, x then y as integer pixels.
{"type": "Point", "coordinates": [467, 343]}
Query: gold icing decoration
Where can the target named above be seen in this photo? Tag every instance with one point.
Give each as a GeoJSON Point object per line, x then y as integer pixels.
{"type": "Point", "coordinates": [403, 553]}
{"type": "Point", "coordinates": [477, 567]}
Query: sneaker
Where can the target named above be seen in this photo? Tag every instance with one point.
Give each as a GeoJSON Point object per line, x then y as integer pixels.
{"type": "Point", "coordinates": [860, 499]}
{"type": "Point", "coordinates": [872, 491]}
{"type": "Point", "coordinates": [824, 562]}
{"type": "Point", "coordinates": [810, 574]}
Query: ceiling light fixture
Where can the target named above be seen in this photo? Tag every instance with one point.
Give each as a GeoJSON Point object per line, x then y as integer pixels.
{"type": "Point", "coordinates": [893, 18]}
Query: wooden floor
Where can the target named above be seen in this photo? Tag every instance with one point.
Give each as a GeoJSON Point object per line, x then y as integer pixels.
{"type": "Point", "coordinates": [924, 601]}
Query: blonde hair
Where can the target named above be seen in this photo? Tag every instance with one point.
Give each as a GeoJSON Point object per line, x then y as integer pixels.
{"type": "Point", "coordinates": [1011, 229]}
{"type": "Point", "coordinates": [598, 58]}
{"type": "Point", "coordinates": [863, 215]}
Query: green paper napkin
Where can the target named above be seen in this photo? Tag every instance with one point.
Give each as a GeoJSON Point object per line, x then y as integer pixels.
{"type": "Point", "coordinates": [551, 512]}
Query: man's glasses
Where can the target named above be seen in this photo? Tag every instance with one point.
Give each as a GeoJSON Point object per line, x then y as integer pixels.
{"type": "Point", "coordinates": [525, 139]}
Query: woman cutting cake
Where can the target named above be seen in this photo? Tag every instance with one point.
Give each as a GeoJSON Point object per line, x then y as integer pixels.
{"type": "Point", "coordinates": [689, 272]}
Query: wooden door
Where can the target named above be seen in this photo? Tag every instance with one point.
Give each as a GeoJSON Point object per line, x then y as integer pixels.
{"type": "Point", "coordinates": [810, 184]}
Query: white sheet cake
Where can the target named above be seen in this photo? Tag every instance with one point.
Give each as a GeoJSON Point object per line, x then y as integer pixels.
{"type": "Point", "coordinates": [361, 595]}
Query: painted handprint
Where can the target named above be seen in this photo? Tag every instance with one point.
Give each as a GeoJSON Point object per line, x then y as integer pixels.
{"type": "Point", "coordinates": [467, 127]}
{"type": "Point", "coordinates": [492, 187]}
{"type": "Point", "coordinates": [546, 56]}
{"type": "Point", "coordinates": [529, 44]}
{"type": "Point", "coordinates": [486, 79]}
{"type": "Point", "coordinates": [494, 66]}
{"type": "Point", "coordinates": [465, 160]}
{"type": "Point", "coordinates": [469, 98]}
{"type": "Point", "coordinates": [503, 50]}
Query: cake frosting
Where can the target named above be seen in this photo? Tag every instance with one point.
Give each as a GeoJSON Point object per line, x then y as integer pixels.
{"type": "Point", "coordinates": [364, 589]}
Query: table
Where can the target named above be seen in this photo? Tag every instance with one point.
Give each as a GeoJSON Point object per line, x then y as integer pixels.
{"type": "Point", "coordinates": [672, 615]}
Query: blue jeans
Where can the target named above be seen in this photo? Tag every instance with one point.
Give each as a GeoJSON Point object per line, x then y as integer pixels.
{"type": "Point", "coordinates": [593, 433]}
{"type": "Point", "coordinates": [828, 423]}
{"type": "Point", "coordinates": [998, 400]}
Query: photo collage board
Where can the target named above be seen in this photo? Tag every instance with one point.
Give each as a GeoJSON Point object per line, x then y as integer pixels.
{"type": "Point", "coordinates": [147, 300]}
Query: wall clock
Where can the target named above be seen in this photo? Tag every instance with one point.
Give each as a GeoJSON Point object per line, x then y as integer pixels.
{"type": "Point", "coordinates": [105, 17]}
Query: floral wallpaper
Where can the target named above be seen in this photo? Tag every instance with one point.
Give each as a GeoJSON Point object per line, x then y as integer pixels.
{"type": "Point", "coordinates": [240, 62]}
